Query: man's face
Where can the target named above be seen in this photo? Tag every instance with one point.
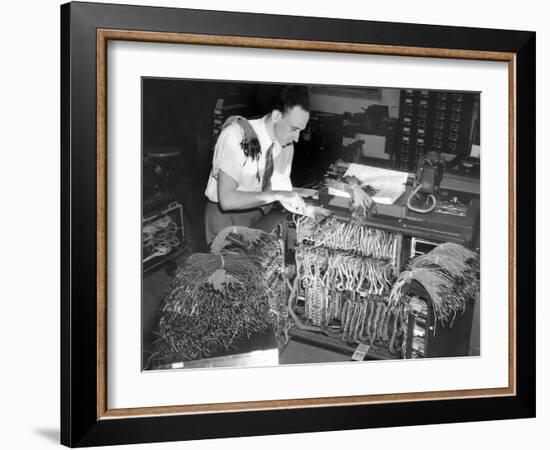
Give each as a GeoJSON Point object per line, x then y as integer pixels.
{"type": "Point", "coordinates": [290, 124]}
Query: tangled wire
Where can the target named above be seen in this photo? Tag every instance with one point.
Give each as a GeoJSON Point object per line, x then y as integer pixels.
{"type": "Point", "coordinates": [216, 300]}
{"type": "Point", "coordinates": [361, 205]}
{"type": "Point", "coordinates": [160, 237]}
{"type": "Point", "coordinates": [337, 235]}
{"type": "Point", "coordinates": [450, 276]}
{"type": "Point", "coordinates": [350, 317]}
{"type": "Point", "coordinates": [345, 271]}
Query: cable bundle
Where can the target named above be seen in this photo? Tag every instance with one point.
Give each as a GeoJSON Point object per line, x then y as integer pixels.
{"type": "Point", "coordinates": [250, 144]}
{"type": "Point", "coordinates": [160, 236]}
{"type": "Point", "coordinates": [350, 317]}
{"type": "Point", "coordinates": [450, 276]}
{"type": "Point", "coordinates": [347, 276]}
{"type": "Point", "coordinates": [369, 321]}
{"type": "Point", "coordinates": [269, 250]}
{"type": "Point", "coordinates": [361, 205]}
{"type": "Point", "coordinates": [217, 300]}
{"type": "Point", "coordinates": [345, 271]}
{"type": "Point", "coordinates": [337, 235]}
{"type": "Point", "coordinates": [243, 240]}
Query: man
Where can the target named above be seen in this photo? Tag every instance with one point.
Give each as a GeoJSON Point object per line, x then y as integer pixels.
{"type": "Point", "coordinates": [252, 162]}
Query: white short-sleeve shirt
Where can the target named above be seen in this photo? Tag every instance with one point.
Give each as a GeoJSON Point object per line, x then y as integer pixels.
{"type": "Point", "coordinates": [230, 158]}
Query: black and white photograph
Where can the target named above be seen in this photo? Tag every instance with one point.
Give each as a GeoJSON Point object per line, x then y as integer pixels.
{"type": "Point", "coordinates": [278, 224]}
{"type": "Point", "coordinates": [306, 223]}
{"type": "Point", "coordinates": [275, 225]}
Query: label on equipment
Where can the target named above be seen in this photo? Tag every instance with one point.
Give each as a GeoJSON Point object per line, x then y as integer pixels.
{"type": "Point", "coordinates": [360, 352]}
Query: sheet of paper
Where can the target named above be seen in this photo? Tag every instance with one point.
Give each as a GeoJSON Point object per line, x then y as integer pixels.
{"type": "Point", "coordinates": [374, 146]}
{"type": "Point", "coordinates": [390, 184]}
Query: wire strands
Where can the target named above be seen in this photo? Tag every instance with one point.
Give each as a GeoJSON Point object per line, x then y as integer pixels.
{"type": "Point", "coordinates": [250, 144]}
{"type": "Point", "coordinates": [450, 276]}
{"type": "Point", "coordinates": [361, 205]}
{"type": "Point", "coordinates": [339, 271]}
{"type": "Point", "coordinates": [215, 301]}
{"type": "Point", "coordinates": [213, 326]}
{"type": "Point", "coordinates": [345, 272]}
{"type": "Point", "coordinates": [352, 318]}
{"type": "Point", "coordinates": [160, 237]}
{"type": "Point", "coordinates": [243, 240]}
{"type": "Point", "coordinates": [337, 235]}
{"type": "Point", "coordinates": [269, 250]}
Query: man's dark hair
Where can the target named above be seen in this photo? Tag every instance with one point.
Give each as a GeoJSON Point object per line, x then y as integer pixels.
{"type": "Point", "coordinates": [291, 96]}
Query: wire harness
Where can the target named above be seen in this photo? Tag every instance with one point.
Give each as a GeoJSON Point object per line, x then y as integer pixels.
{"type": "Point", "coordinates": [219, 299]}
{"type": "Point", "coordinates": [345, 273]}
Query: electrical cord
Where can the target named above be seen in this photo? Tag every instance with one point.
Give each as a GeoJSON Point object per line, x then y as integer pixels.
{"type": "Point", "coordinates": [421, 210]}
{"type": "Point", "coordinates": [417, 187]}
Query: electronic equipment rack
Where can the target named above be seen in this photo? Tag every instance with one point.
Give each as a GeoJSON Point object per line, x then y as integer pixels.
{"type": "Point", "coordinates": [351, 321]}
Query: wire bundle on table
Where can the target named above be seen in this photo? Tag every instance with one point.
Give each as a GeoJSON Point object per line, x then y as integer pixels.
{"type": "Point", "coordinates": [362, 206]}
{"type": "Point", "coordinates": [218, 299]}
{"type": "Point", "coordinates": [269, 249]}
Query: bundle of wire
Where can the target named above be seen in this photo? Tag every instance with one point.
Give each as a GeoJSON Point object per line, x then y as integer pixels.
{"type": "Point", "coordinates": [243, 240]}
{"type": "Point", "coordinates": [450, 276]}
{"type": "Point", "coordinates": [345, 271]}
{"type": "Point", "coordinates": [269, 250]}
{"type": "Point", "coordinates": [361, 205]}
{"type": "Point", "coordinates": [160, 237]}
{"type": "Point", "coordinates": [349, 316]}
{"type": "Point", "coordinates": [217, 300]}
{"type": "Point", "coordinates": [334, 234]}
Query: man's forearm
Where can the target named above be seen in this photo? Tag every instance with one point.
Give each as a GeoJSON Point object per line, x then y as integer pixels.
{"type": "Point", "coordinates": [237, 200]}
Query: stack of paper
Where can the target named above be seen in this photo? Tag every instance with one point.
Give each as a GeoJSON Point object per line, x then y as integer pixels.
{"type": "Point", "coordinates": [390, 184]}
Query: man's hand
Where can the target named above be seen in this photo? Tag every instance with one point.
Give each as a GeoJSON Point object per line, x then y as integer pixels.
{"type": "Point", "coordinates": [231, 199]}
{"type": "Point", "coordinates": [317, 212]}
{"type": "Point", "coordinates": [291, 201]}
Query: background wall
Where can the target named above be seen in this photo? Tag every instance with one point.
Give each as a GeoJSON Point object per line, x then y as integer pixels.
{"type": "Point", "coordinates": [339, 104]}
{"type": "Point", "coordinates": [29, 183]}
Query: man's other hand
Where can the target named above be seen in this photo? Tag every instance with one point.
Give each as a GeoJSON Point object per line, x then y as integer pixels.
{"type": "Point", "coordinates": [292, 202]}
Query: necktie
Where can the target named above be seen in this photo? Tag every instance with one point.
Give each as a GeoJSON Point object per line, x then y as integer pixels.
{"type": "Point", "coordinates": [266, 182]}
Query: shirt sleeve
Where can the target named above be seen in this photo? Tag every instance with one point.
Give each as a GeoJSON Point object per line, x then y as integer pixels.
{"type": "Point", "coordinates": [228, 154]}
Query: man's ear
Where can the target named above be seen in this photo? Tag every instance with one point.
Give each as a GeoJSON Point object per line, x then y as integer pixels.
{"type": "Point", "coordinates": [276, 115]}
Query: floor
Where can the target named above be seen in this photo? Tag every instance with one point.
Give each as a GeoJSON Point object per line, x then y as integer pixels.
{"type": "Point", "coordinates": [299, 353]}
{"type": "Point", "coordinates": [154, 284]}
